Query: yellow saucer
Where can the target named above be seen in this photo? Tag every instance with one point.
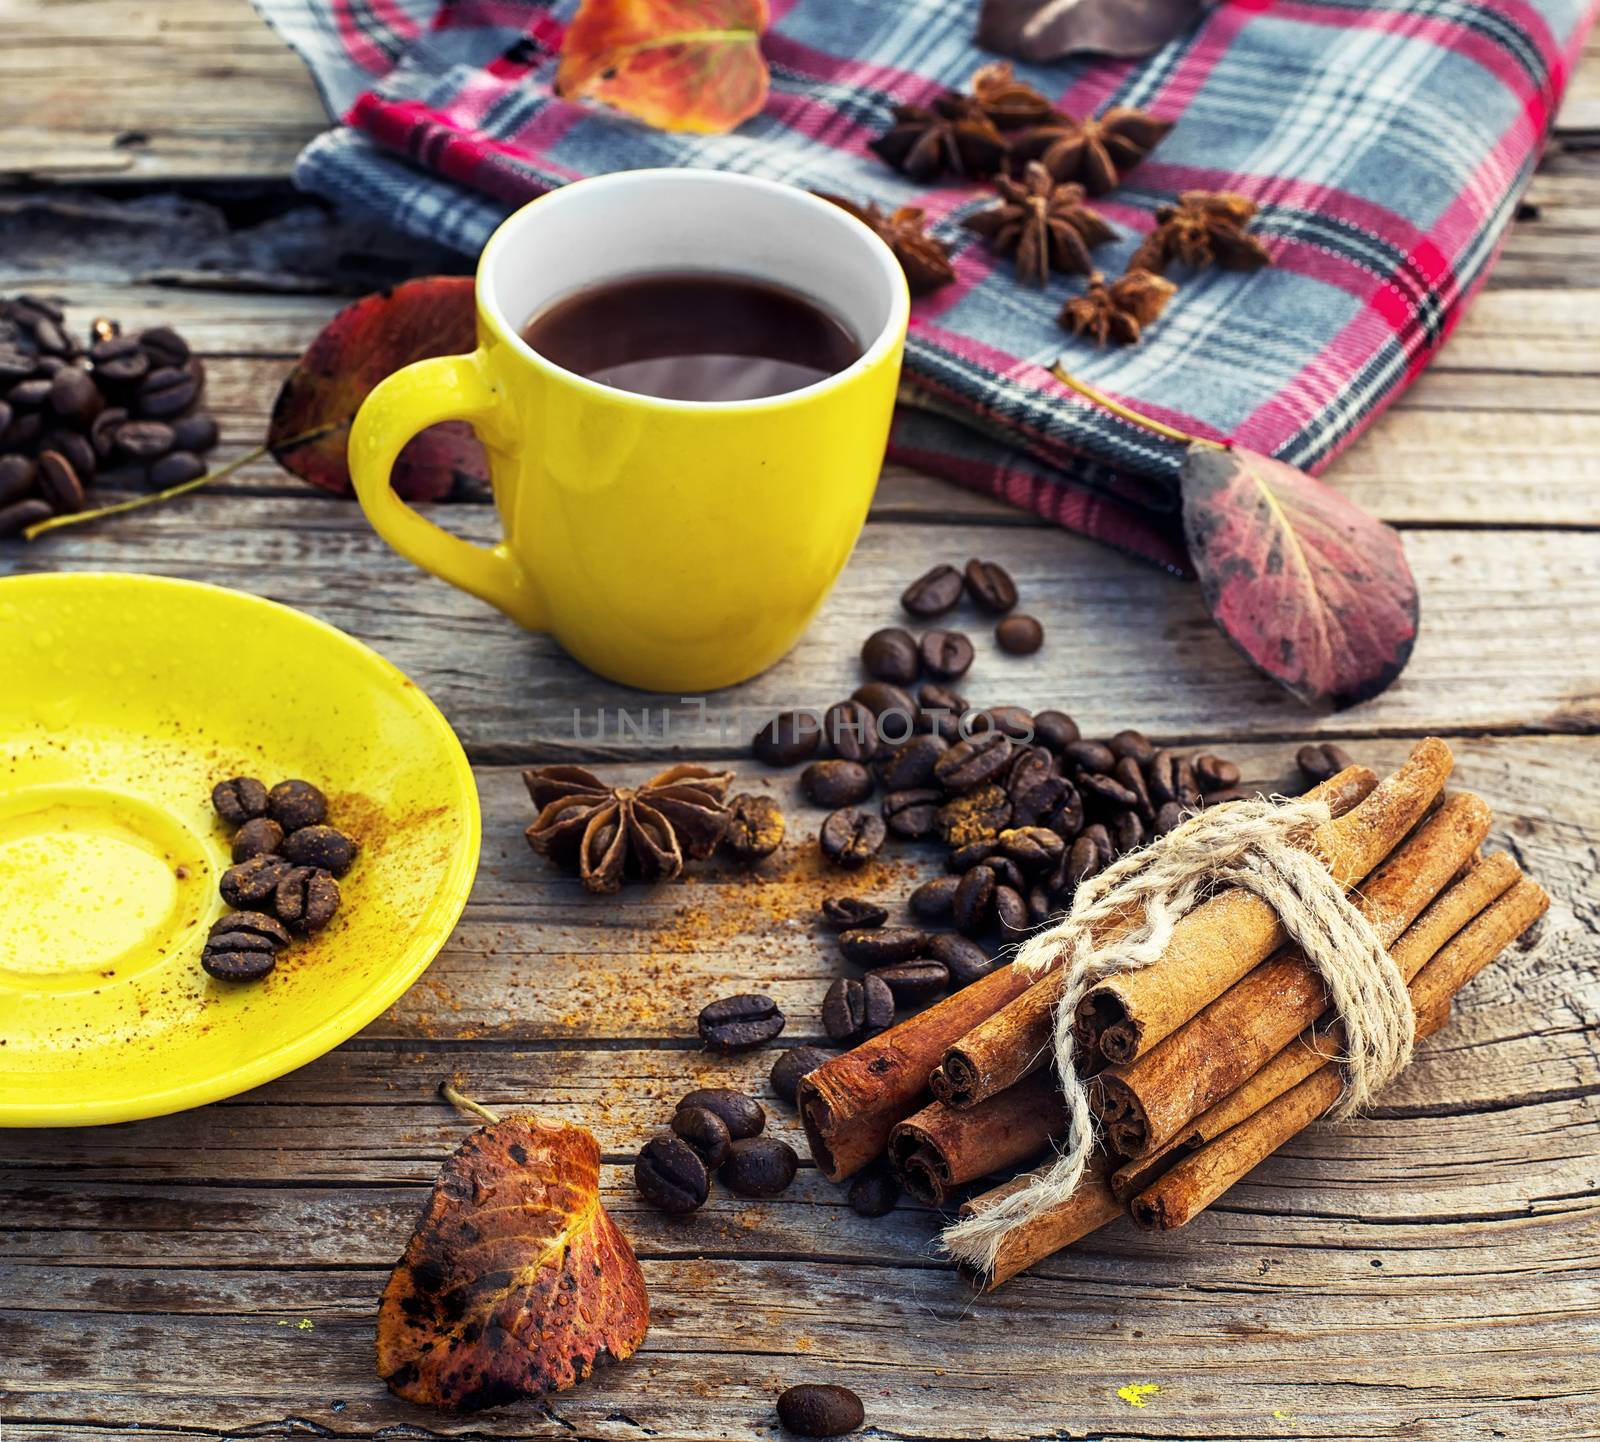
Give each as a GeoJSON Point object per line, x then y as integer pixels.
{"type": "Point", "coordinates": [123, 699]}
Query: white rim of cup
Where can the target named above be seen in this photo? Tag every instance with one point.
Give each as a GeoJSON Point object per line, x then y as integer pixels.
{"type": "Point", "coordinates": [882, 343]}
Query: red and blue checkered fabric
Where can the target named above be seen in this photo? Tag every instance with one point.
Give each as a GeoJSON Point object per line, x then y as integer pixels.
{"type": "Point", "coordinates": [1385, 141]}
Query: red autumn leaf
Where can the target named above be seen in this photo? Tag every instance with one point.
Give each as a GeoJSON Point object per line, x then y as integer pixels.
{"type": "Point", "coordinates": [366, 341]}
{"type": "Point", "coordinates": [1051, 29]}
{"type": "Point", "coordinates": [674, 64]}
{"type": "Point", "coordinates": [1312, 589]}
{"type": "Point", "coordinates": [516, 1282]}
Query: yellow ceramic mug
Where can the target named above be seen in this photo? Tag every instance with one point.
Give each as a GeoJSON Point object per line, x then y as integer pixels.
{"type": "Point", "coordinates": [671, 545]}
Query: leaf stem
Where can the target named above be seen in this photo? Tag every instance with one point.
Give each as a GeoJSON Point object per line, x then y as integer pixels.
{"type": "Point", "coordinates": [1160, 428]}
{"type": "Point", "coordinates": [465, 1103]}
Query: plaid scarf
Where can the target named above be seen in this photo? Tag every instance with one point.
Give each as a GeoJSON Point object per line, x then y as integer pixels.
{"type": "Point", "coordinates": [1386, 143]}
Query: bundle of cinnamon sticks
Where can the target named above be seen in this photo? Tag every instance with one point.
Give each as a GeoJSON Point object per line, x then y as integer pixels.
{"type": "Point", "coordinates": [1203, 1063]}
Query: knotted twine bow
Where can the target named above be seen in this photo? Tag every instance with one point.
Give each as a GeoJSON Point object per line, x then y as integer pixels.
{"type": "Point", "coordinates": [1256, 844]}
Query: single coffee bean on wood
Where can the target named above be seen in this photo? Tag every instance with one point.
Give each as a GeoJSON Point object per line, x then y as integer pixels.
{"type": "Point", "coordinates": [174, 468]}
{"type": "Point", "coordinates": [814, 1410]}
{"type": "Point", "coordinates": [322, 846]}
{"type": "Point", "coordinates": [790, 737]}
{"type": "Point", "coordinates": [197, 432]}
{"type": "Point", "coordinates": [973, 762]}
{"type": "Point", "coordinates": [836, 783]}
{"type": "Point", "coordinates": [845, 913]}
{"type": "Point", "coordinates": [990, 586]}
{"type": "Point", "coordinates": [880, 945]}
{"type": "Point", "coordinates": [293, 804]}
{"type": "Point", "coordinates": [239, 799]}
{"type": "Point", "coordinates": [854, 1010]}
{"type": "Point", "coordinates": [705, 1131]}
{"type": "Point", "coordinates": [933, 899]}
{"type": "Point", "coordinates": [742, 1115]}
{"type": "Point", "coordinates": [1322, 762]}
{"type": "Point", "coordinates": [59, 484]}
{"type": "Point", "coordinates": [759, 1167]}
{"type": "Point", "coordinates": [890, 655]}
{"type": "Point", "coordinates": [874, 1192]}
{"type": "Point", "coordinates": [257, 837]}
{"type": "Point", "coordinates": [850, 838]}
{"type": "Point", "coordinates": [1214, 773]}
{"type": "Point", "coordinates": [914, 981]}
{"type": "Point", "coordinates": [1054, 729]}
{"type": "Point", "coordinates": [755, 827]}
{"type": "Point", "coordinates": [306, 899]}
{"type": "Point", "coordinates": [966, 960]}
{"type": "Point", "coordinates": [1019, 634]}
{"type": "Point", "coordinates": [946, 655]}
{"type": "Point", "coordinates": [670, 1175]}
{"type": "Point", "coordinates": [911, 765]}
{"type": "Point", "coordinates": [797, 1062]}
{"type": "Point", "coordinates": [912, 813]}
{"type": "Point", "coordinates": [253, 883]}
{"type": "Point", "coordinates": [738, 1023]}
{"type": "Point", "coordinates": [19, 515]}
{"type": "Point", "coordinates": [851, 731]}
{"type": "Point", "coordinates": [933, 593]}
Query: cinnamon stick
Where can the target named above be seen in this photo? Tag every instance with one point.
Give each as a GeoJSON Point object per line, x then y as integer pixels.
{"type": "Point", "coordinates": [1452, 910]}
{"type": "Point", "coordinates": [1016, 1040]}
{"type": "Point", "coordinates": [1144, 1105]}
{"type": "Point", "coordinates": [941, 1149]}
{"type": "Point", "coordinates": [850, 1104]}
{"type": "Point", "coordinates": [1199, 1179]}
{"type": "Point", "coordinates": [1090, 1208]}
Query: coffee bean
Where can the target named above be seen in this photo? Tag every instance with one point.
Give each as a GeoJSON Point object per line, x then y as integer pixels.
{"type": "Point", "coordinates": [890, 655]}
{"type": "Point", "coordinates": [16, 365]}
{"type": "Point", "coordinates": [854, 1010]}
{"type": "Point", "coordinates": [197, 432]}
{"type": "Point", "coordinates": [1054, 729]}
{"type": "Point", "coordinates": [1019, 634]}
{"type": "Point", "coordinates": [253, 883]}
{"type": "Point", "coordinates": [815, 1410]}
{"type": "Point", "coordinates": [893, 710]}
{"type": "Point", "coordinates": [51, 338]}
{"type": "Point", "coordinates": [1132, 778]}
{"type": "Point", "coordinates": [790, 737]}
{"type": "Point", "coordinates": [78, 451]}
{"type": "Point", "coordinates": [174, 468]}
{"type": "Point", "coordinates": [911, 765]}
{"type": "Point", "coordinates": [144, 440]}
{"type": "Point", "coordinates": [259, 836]}
{"type": "Point", "coordinates": [946, 654]}
{"type": "Point", "coordinates": [670, 1175]}
{"type": "Point", "coordinates": [1007, 872]}
{"type": "Point", "coordinates": [1035, 849]}
{"type": "Point", "coordinates": [1135, 744]}
{"type": "Point", "coordinates": [742, 1115]}
{"type": "Point", "coordinates": [913, 813]}
{"type": "Point", "coordinates": [165, 392]}
{"type": "Point", "coordinates": [1011, 910]}
{"type": "Point", "coordinates": [851, 838]}
{"type": "Point", "coordinates": [249, 923]}
{"type": "Point", "coordinates": [1013, 721]}
{"type": "Point", "coordinates": [1214, 774]}
{"type": "Point", "coordinates": [17, 474]}
{"type": "Point", "coordinates": [240, 799]}
{"type": "Point", "coordinates": [23, 433]}
{"type": "Point", "coordinates": [19, 515]}
{"type": "Point", "coordinates": [1168, 815]}
{"type": "Point", "coordinates": [1055, 803]}
{"type": "Point", "coordinates": [1083, 862]}
{"type": "Point", "coordinates": [759, 1167]}
{"type": "Point", "coordinates": [1171, 778]}
{"type": "Point", "coordinates": [1040, 904]}
{"type": "Point", "coordinates": [59, 484]}
{"type": "Point", "coordinates": [240, 959]}
{"type": "Point", "coordinates": [966, 960]}
{"type": "Point", "coordinates": [979, 815]}
{"type": "Point", "coordinates": [846, 913]}
{"type": "Point", "coordinates": [755, 827]}
{"type": "Point", "coordinates": [851, 731]}
{"type": "Point", "coordinates": [933, 899]}
{"type": "Point", "coordinates": [934, 593]}
{"type": "Point", "coordinates": [293, 804]}
{"type": "Point", "coordinates": [990, 586]}
{"type": "Point", "coordinates": [119, 361]}
{"type": "Point", "coordinates": [881, 945]}
{"type": "Point", "coordinates": [915, 981]}
{"type": "Point", "coordinates": [836, 783]}
{"type": "Point", "coordinates": [1322, 762]}
{"type": "Point", "coordinates": [705, 1131]}
{"type": "Point", "coordinates": [74, 397]}
{"type": "Point", "coordinates": [164, 346]}
{"type": "Point", "coordinates": [1030, 766]}
{"type": "Point", "coordinates": [965, 857]}
{"type": "Point", "coordinates": [738, 1023]}
{"type": "Point", "coordinates": [973, 902]}
{"type": "Point", "coordinates": [306, 899]}
{"type": "Point", "coordinates": [795, 1063]}
{"type": "Point", "coordinates": [1101, 840]}
{"type": "Point", "coordinates": [939, 710]}
{"type": "Point", "coordinates": [1128, 830]}
{"type": "Point", "coordinates": [1088, 756]}
{"type": "Point", "coordinates": [974, 762]}
{"type": "Point", "coordinates": [103, 431]}
{"type": "Point", "coordinates": [320, 846]}
{"type": "Point", "coordinates": [874, 1193]}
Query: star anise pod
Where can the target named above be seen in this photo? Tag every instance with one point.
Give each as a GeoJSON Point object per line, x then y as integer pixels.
{"type": "Point", "coordinates": [1047, 225]}
{"type": "Point", "coordinates": [925, 262]}
{"type": "Point", "coordinates": [1204, 228]}
{"type": "Point", "coordinates": [1117, 312]}
{"type": "Point", "coordinates": [1097, 153]}
{"type": "Point", "coordinates": [951, 136]}
{"type": "Point", "coordinates": [1011, 103]}
{"type": "Point", "coordinates": [613, 832]}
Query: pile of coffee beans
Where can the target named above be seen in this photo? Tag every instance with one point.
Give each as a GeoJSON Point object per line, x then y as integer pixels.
{"type": "Point", "coordinates": [714, 1130]}
{"type": "Point", "coordinates": [123, 409]}
{"type": "Point", "coordinates": [284, 880]}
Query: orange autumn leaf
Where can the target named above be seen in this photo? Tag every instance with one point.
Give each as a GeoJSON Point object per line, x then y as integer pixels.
{"type": "Point", "coordinates": [674, 64]}
{"type": "Point", "coordinates": [516, 1282]}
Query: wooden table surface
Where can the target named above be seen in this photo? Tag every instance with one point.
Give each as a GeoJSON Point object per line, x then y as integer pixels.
{"type": "Point", "coordinates": [1430, 1271]}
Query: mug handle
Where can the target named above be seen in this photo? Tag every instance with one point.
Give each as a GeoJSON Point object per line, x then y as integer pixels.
{"type": "Point", "coordinates": [440, 388]}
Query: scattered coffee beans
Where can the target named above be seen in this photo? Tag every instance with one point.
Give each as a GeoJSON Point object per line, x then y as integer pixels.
{"type": "Point", "coordinates": [946, 655]}
{"type": "Point", "coordinates": [738, 1023]}
{"type": "Point", "coordinates": [890, 655]}
{"type": "Point", "coordinates": [812, 1410]}
{"type": "Point", "coordinates": [933, 594]}
{"type": "Point", "coordinates": [880, 945]}
{"type": "Point", "coordinates": [836, 783]}
{"type": "Point", "coordinates": [705, 1131]}
{"type": "Point", "coordinates": [854, 1010]}
{"type": "Point", "coordinates": [850, 838]}
{"type": "Point", "coordinates": [243, 946]}
{"type": "Point", "coordinates": [874, 1191]}
{"type": "Point", "coordinates": [850, 913]}
{"type": "Point", "coordinates": [742, 1115]}
{"type": "Point", "coordinates": [990, 586]}
{"type": "Point", "coordinates": [1019, 635]}
{"type": "Point", "coordinates": [759, 1167]}
{"type": "Point", "coordinates": [755, 827]}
